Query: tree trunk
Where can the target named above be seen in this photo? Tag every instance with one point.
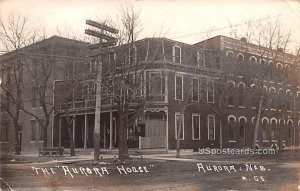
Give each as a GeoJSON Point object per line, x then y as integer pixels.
{"type": "Point", "coordinates": [45, 137]}
{"type": "Point", "coordinates": [72, 146]}
{"type": "Point", "coordinates": [178, 138]}
{"type": "Point", "coordinates": [17, 140]}
{"type": "Point", "coordinates": [123, 147]}
{"type": "Point", "coordinates": [257, 121]}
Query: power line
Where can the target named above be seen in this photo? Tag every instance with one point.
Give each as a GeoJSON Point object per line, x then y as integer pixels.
{"type": "Point", "coordinates": [227, 27]}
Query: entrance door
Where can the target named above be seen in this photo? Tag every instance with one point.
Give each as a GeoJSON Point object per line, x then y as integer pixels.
{"type": "Point", "coordinates": [156, 133]}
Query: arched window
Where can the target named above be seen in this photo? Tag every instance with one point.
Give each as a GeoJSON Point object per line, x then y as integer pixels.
{"type": "Point", "coordinates": [265, 92]}
{"type": "Point", "coordinates": [272, 98]}
{"type": "Point", "coordinates": [290, 128]}
{"type": "Point", "coordinates": [241, 87]}
{"type": "Point", "coordinates": [230, 61]}
{"type": "Point", "coordinates": [279, 71]}
{"type": "Point", "coordinates": [231, 124]}
{"type": "Point", "coordinates": [271, 69]}
{"type": "Point", "coordinates": [254, 100]}
{"type": "Point", "coordinates": [253, 62]}
{"type": "Point", "coordinates": [289, 100]}
{"type": "Point", "coordinates": [273, 128]}
{"type": "Point", "coordinates": [230, 89]}
{"type": "Point", "coordinates": [240, 61]}
{"type": "Point", "coordinates": [280, 99]}
{"type": "Point", "coordinates": [264, 67]}
{"type": "Point", "coordinates": [242, 127]}
{"type": "Point", "coordinates": [229, 57]}
{"type": "Point", "coordinates": [264, 128]}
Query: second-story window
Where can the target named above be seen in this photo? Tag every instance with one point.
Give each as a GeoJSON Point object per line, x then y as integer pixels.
{"type": "Point", "coordinates": [176, 54]}
{"type": "Point", "coordinates": [210, 92]}
{"type": "Point", "coordinates": [195, 93]}
{"type": "Point", "coordinates": [33, 96]}
{"type": "Point", "coordinates": [265, 129]}
{"type": "Point", "coordinates": [156, 87]}
{"type": "Point", "coordinates": [241, 94]}
{"type": "Point", "coordinates": [179, 87]}
{"type": "Point", "coordinates": [230, 97]}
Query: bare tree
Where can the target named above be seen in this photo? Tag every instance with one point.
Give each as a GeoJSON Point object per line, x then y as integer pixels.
{"type": "Point", "coordinates": [15, 33]}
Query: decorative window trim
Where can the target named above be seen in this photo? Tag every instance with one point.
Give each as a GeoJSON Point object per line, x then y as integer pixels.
{"type": "Point", "coordinates": [272, 88]}
{"type": "Point", "coordinates": [231, 81]}
{"type": "Point", "coordinates": [254, 59]}
{"type": "Point", "coordinates": [240, 54]}
{"type": "Point", "coordinates": [229, 52]}
{"type": "Point", "coordinates": [243, 117]}
{"type": "Point", "coordinates": [265, 118]}
{"type": "Point", "coordinates": [279, 64]}
{"type": "Point", "coordinates": [230, 116]}
{"type": "Point", "coordinates": [193, 129]}
{"type": "Point", "coordinates": [262, 59]}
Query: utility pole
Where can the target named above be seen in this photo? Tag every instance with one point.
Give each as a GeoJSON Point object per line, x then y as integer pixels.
{"type": "Point", "coordinates": [105, 40]}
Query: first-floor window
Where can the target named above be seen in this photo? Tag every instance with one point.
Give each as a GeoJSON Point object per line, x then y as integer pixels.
{"type": "Point", "coordinates": [211, 127]}
{"type": "Point", "coordinates": [242, 127]}
{"type": "Point", "coordinates": [265, 129]}
{"type": "Point", "coordinates": [179, 125]}
{"type": "Point", "coordinates": [196, 126]}
{"type": "Point", "coordinates": [231, 123]}
{"type": "Point", "coordinates": [33, 130]}
{"type": "Point", "coordinates": [4, 132]}
{"type": "Point", "coordinates": [290, 126]}
{"type": "Point", "coordinates": [273, 123]}
{"type": "Point", "coordinates": [41, 129]}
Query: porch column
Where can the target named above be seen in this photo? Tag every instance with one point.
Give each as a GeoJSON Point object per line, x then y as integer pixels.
{"type": "Point", "coordinates": [110, 130]}
{"type": "Point", "coordinates": [115, 129]}
{"type": "Point", "coordinates": [85, 131]}
{"type": "Point", "coordinates": [74, 129]}
{"type": "Point", "coordinates": [59, 132]}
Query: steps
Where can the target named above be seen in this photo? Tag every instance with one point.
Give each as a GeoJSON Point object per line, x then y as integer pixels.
{"type": "Point", "coordinates": [88, 151]}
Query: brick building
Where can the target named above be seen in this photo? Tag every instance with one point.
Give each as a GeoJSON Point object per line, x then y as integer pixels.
{"type": "Point", "coordinates": [53, 57]}
{"type": "Point", "coordinates": [212, 87]}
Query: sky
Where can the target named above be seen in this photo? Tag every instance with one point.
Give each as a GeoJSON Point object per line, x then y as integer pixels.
{"type": "Point", "coordinates": [184, 20]}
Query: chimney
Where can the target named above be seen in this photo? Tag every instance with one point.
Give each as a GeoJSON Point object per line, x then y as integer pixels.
{"type": "Point", "coordinates": [243, 39]}
{"type": "Point", "coordinates": [280, 50]}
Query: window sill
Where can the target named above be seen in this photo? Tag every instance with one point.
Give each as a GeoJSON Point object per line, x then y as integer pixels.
{"type": "Point", "coordinates": [3, 142]}
{"type": "Point", "coordinates": [243, 107]}
{"type": "Point", "coordinates": [32, 141]}
{"type": "Point", "coordinates": [274, 141]}
{"type": "Point", "coordinates": [253, 107]}
{"type": "Point", "coordinates": [231, 106]}
{"type": "Point", "coordinates": [232, 141]}
{"type": "Point", "coordinates": [273, 109]}
{"type": "Point", "coordinates": [266, 141]}
{"type": "Point", "coordinates": [196, 139]}
{"type": "Point", "coordinates": [283, 141]}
